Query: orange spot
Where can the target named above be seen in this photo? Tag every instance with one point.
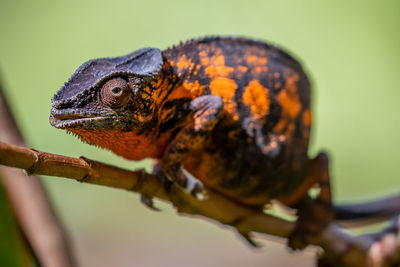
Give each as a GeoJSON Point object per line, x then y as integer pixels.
{"type": "Point", "coordinates": [256, 97]}
{"type": "Point", "coordinates": [145, 96]}
{"type": "Point", "coordinates": [307, 117]}
{"type": "Point", "coordinates": [259, 69]}
{"type": "Point", "coordinates": [257, 63]}
{"type": "Point", "coordinates": [203, 54]}
{"type": "Point", "coordinates": [185, 63]}
{"type": "Point", "coordinates": [173, 93]}
{"type": "Point", "coordinates": [290, 104]}
{"type": "Point", "coordinates": [253, 60]}
{"type": "Point", "coordinates": [218, 68]}
{"type": "Point", "coordinates": [289, 101]}
{"type": "Point", "coordinates": [225, 88]}
{"type": "Point", "coordinates": [280, 125]}
{"type": "Point", "coordinates": [147, 90]}
{"type": "Point", "coordinates": [242, 68]}
{"type": "Point", "coordinates": [180, 92]}
{"type": "Point", "coordinates": [204, 60]}
{"type": "Point", "coordinates": [215, 65]}
{"type": "Point", "coordinates": [194, 88]}
{"type": "Point", "coordinates": [288, 98]}
{"type": "Point", "coordinates": [219, 60]}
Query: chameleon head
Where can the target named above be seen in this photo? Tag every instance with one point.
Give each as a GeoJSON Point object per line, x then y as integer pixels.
{"type": "Point", "coordinates": [107, 95]}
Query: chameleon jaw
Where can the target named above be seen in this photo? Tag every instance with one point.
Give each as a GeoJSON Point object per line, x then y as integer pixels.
{"type": "Point", "coordinates": [74, 123]}
{"type": "Point", "coordinates": [77, 118]}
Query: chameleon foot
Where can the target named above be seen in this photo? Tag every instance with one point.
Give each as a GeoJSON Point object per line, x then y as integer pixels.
{"type": "Point", "coordinates": [250, 240]}
{"type": "Point", "coordinates": [314, 214]}
{"type": "Point", "coordinates": [190, 184]}
{"type": "Point", "coordinates": [148, 202]}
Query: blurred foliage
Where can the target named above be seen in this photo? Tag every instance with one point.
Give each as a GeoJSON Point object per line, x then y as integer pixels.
{"type": "Point", "coordinates": [350, 48]}
{"type": "Point", "coordinates": [12, 249]}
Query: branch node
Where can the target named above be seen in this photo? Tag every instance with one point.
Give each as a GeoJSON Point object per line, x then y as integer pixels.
{"type": "Point", "coordinates": [89, 164]}
{"type": "Point", "coordinates": [32, 169]}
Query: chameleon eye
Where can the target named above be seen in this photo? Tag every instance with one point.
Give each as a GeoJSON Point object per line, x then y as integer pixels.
{"type": "Point", "coordinates": [115, 93]}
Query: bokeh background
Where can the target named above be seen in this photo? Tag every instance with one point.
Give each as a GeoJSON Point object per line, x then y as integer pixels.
{"type": "Point", "coordinates": [350, 49]}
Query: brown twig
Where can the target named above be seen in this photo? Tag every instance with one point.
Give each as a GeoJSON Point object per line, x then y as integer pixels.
{"type": "Point", "coordinates": [33, 210]}
{"type": "Point", "coordinates": [81, 169]}
{"type": "Point", "coordinates": [341, 248]}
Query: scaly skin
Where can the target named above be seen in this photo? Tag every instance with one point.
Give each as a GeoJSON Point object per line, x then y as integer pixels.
{"type": "Point", "coordinates": [233, 113]}
{"type": "Point", "coordinates": [258, 150]}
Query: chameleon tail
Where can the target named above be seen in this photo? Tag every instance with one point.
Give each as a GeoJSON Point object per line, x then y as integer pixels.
{"type": "Point", "coordinates": [376, 209]}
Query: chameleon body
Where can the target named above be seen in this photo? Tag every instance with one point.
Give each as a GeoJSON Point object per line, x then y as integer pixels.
{"type": "Point", "coordinates": [257, 147]}
{"type": "Point", "coordinates": [232, 114]}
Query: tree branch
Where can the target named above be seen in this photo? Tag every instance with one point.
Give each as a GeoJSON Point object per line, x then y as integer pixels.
{"type": "Point", "coordinates": [340, 248]}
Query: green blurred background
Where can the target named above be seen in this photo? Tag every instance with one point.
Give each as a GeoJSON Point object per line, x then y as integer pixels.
{"type": "Point", "coordinates": [351, 50]}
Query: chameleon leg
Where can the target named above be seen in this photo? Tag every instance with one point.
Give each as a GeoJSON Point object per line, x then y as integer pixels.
{"type": "Point", "coordinates": [147, 198]}
{"type": "Point", "coordinates": [207, 110]}
{"type": "Point", "coordinates": [314, 214]}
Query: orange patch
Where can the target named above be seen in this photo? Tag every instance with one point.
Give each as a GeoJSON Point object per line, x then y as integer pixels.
{"type": "Point", "coordinates": [219, 60]}
{"type": "Point", "coordinates": [242, 68]}
{"type": "Point", "coordinates": [180, 92]}
{"type": "Point", "coordinates": [280, 125]}
{"type": "Point", "coordinates": [184, 63]}
{"type": "Point", "coordinates": [307, 118]}
{"type": "Point", "coordinates": [218, 68]}
{"type": "Point", "coordinates": [145, 96]}
{"type": "Point", "coordinates": [156, 83]}
{"type": "Point", "coordinates": [194, 88]}
{"type": "Point", "coordinates": [256, 97]}
{"type": "Point", "coordinates": [288, 98]}
{"type": "Point", "coordinates": [126, 144]}
{"type": "Point", "coordinates": [290, 104]}
{"type": "Point", "coordinates": [215, 65]}
{"type": "Point", "coordinates": [289, 101]}
{"type": "Point", "coordinates": [219, 71]}
{"type": "Point", "coordinates": [225, 88]}
{"type": "Point", "coordinates": [259, 69]}
{"type": "Point", "coordinates": [204, 60]}
{"type": "Point", "coordinates": [253, 60]}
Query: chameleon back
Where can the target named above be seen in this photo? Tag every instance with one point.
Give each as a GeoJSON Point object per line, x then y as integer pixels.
{"type": "Point", "coordinates": [258, 151]}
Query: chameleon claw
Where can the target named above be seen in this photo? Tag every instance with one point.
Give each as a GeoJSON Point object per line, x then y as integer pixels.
{"type": "Point", "coordinates": [148, 202]}
{"type": "Point", "coordinates": [192, 185]}
{"type": "Point", "coordinates": [250, 240]}
{"type": "Point", "coordinates": [198, 191]}
{"type": "Point", "coordinates": [297, 240]}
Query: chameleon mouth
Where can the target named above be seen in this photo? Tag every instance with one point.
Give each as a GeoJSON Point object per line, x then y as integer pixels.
{"type": "Point", "coordinates": [73, 118]}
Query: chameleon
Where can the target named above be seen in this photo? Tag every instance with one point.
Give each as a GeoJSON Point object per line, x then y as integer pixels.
{"type": "Point", "coordinates": [227, 114]}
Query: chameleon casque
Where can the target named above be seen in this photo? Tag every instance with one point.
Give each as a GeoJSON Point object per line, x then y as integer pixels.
{"type": "Point", "coordinates": [218, 113]}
